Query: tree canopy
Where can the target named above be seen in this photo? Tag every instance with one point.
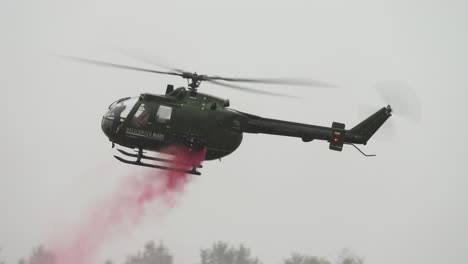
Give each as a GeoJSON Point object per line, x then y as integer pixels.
{"type": "Point", "coordinates": [151, 254]}
{"type": "Point", "coordinates": [305, 259]}
{"type": "Point", "coordinates": [39, 255]}
{"type": "Point", "coordinates": [347, 257]}
{"type": "Point", "coordinates": [219, 253]}
{"type": "Point", "coordinates": [223, 253]}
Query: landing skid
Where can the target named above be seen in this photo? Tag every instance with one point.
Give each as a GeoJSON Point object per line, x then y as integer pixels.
{"type": "Point", "coordinates": [143, 156]}
{"type": "Point", "coordinates": [140, 156]}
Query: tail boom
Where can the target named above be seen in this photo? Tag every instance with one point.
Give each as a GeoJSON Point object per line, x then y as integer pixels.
{"type": "Point", "coordinates": [337, 135]}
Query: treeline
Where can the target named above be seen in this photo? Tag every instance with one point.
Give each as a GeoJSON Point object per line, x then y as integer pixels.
{"type": "Point", "coordinates": [218, 253]}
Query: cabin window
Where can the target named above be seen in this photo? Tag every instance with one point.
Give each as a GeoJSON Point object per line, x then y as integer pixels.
{"type": "Point", "coordinates": [164, 113]}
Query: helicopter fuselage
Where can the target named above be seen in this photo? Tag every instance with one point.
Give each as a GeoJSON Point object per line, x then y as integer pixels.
{"type": "Point", "coordinates": [203, 122]}
{"type": "Point", "coordinates": [198, 120]}
{"type": "Point", "coordinates": [155, 122]}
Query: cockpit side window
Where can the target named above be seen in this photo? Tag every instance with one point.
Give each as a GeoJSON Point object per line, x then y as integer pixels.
{"type": "Point", "coordinates": [141, 117]}
{"type": "Point", "coordinates": [128, 106]}
{"type": "Point", "coordinates": [164, 114]}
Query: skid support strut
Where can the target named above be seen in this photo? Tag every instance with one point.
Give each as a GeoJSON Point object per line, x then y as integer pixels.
{"type": "Point", "coordinates": [141, 157]}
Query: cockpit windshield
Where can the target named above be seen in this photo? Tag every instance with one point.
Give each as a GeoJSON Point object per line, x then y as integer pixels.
{"type": "Point", "coordinates": [120, 108]}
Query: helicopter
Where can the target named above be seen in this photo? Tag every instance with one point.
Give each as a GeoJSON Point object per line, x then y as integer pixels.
{"type": "Point", "coordinates": [184, 116]}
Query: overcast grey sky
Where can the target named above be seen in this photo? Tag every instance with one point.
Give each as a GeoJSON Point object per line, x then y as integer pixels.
{"type": "Point", "coordinates": [275, 194]}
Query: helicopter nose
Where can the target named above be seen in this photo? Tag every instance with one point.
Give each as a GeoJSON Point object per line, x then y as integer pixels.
{"type": "Point", "coordinates": [106, 126]}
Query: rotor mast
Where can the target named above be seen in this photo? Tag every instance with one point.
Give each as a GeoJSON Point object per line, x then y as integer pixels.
{"type": "Point", "coordinates": [194, 80]}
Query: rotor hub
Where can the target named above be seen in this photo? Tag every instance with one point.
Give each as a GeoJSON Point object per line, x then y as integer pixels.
{"type": "Point", "coordinates": [194, 79]}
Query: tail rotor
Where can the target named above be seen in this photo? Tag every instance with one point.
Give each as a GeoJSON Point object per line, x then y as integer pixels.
{"type": "Point", "coordinates": [405, 104]}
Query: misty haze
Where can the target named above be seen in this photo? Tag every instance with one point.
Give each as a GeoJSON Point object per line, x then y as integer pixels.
{"type": "Point", "coordinates": [64, 198]}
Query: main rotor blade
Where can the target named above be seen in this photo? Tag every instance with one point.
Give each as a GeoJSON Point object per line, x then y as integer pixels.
{"type": "Point", "coordinates": [287, 81]}
{"type": "Point", "coordinates": [250, 90]}
{"type": "Point", "coordinates": [119, 66]}
{"type": "Point", "coordinates": [152, 61]}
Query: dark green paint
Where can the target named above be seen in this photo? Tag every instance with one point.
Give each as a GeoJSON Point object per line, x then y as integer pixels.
{"type": "Point", "coordinates": [200, 120]}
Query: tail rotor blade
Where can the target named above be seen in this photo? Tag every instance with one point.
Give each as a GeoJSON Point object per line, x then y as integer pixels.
{"type": "Point", "coordinates": [402, 98]}
{"type": "Point", "coordinates": [405, 104]}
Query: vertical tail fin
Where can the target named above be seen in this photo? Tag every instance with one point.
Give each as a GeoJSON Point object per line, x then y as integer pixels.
{"type": "Point", "coordinates": [363, 131]}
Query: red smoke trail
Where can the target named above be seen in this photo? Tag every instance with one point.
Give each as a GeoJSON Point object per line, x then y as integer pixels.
{"type": "Point", "coordinates": [123, 209]}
